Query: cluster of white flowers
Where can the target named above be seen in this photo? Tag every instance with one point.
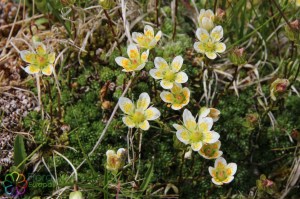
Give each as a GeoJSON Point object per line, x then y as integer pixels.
{"type": "Point", "coordinates": [209, 35]}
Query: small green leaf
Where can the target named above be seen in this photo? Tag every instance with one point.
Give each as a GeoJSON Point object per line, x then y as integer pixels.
{"type": "Point", "coordinates": [19, 152]}
{"type": "Point", "coordinates": [148, 176]}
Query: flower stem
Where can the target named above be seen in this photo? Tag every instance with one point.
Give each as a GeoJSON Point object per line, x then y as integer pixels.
{"type": "Point", "coordinates": [38, 85]}
{"type": "Point", "coordinates": [175, 19]}
{"type": "Point", "coordinates": [282, 14]}
{"type": "Point", "coordinates": [112, 29]}
{"type": "Point", "coordinates": [157, 10]}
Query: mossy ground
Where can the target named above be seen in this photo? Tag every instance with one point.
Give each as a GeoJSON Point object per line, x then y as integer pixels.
{"type": "Point", "coordinates": [91, 84]}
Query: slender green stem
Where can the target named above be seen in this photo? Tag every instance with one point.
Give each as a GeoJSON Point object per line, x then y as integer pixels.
{"type": "Point", "coordinates": [32, 153]}
{"type": "Point", "coordinates": [254, 31]}
{"type": "Point", "coordinates": [282, 14]}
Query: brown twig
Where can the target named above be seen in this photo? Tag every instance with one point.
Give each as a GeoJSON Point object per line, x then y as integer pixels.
{"type": "Point", "coordinates": [175, 19]}
{"type": "Point", "coordinates": [282, 14]}
{"type": "Point", "coordinates": [112, 29]}
{"type": "Point", "coordinates": [157, 10]}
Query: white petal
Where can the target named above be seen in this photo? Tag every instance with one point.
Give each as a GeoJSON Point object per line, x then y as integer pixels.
{"type": "Point", "coordinates": [215, 182]}
{"type": "Point", "coordinates": [177, 88]}
{"type": "Point", "coordinates": [206, 121]}
{"type": "Point", "coordinates": [220, 160]}
{"type": "Point", "coordinates": [143, 101]}
{"type": "Point", "coordinates": [228, 179]}
{"type": "Point", "coordinates": [156, 73]}
{"type": "Point", "coordinates": [133, 52]}
{"type": "Point", "coordinates": [126, 105]}
{"type": "Point", "coordinates": [177, 63]}
{"type": "Point", "coordinates": [120, 151]}
{"type": "Point", "coordinates": [144, 125]}
{"type": "Point", "coordinates": [148, 30]}
{"type": "Point", "coordinates": [196, 146]}
{"type": "Point", "coordinates": [160, 63]}
{"type": "Point", "coordinates": [128, 122]}
{"type": "Point", "coordinates": [158, 36]}
{"type": "Point", "coordinates": [166, 84]}
{"type": "Point", "coordinates": [181, 77]}
{"type": "Point", "coordinates": [110, 152]}
{"type": "Point", "coordinates": [188, 119]}
{"type": "Point", "coordinates": [233, 167]}
{"type": "Point", "coordinates": [198, 46]}
{"type": "Point", "coordinates": [211, 137]}
{"type": "Point", "coordinates": [144, 56]}
{"type": "Point", "coordinates": [140, 67]}
{"type": "Point", "coordinates": [202, 34]}
{"type": "Point", "coordinates": [204, 111]}
{"type": "Point", "coordinates": [152, 113]}
{"type": "Point", "coordinates": [211, 55]}
{"type": "Point", "coordinates": [217, 33]}
{"type": "Point", "coordinates": [27, 56]}
{"type": "Point", "coordinates": [166, 96]}
{"type": "Point", "coordinates": [220, 47]}
{"type": "Point", "coordinates": [210, 170]}
{"type": "Point", "coordinates": [178, 127]}
{"type": "Point", "coordinates": [47, 70]}
{"type": "Point", "coordinates": [183, 136]}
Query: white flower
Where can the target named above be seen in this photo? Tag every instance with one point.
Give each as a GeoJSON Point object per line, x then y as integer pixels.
{"type": "Point", "coordinates": [196, 134]}
{"type": "Point", "coordinates": [135, 62]}
{"type": "Point", "coordinates": [210, 112]}
{"type": "Point", "coordinates": [168, 74]}
{"type": "Point", "coordinates": [222, 172]}
{"type": "Point", "coordinates": [146, 40]}
{"type": "Point", "coordinates": [206, 19]}
{"type": "Point", "coordinates": [178, 97]}
{"type": "Point", "coordinates": [210, 44]}
{"type": "Point", "coordinates": [138, 115]}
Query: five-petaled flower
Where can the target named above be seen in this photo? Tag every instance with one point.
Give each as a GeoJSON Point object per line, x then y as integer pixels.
{"type": "Point", "coordinates": [39, 60]}
{"type": "Point", "coordinates": [210, 112]}
{"type": "Point", "coordinates": [206, 19]}
{"type": "Point", "coordinates": [139, 114]}
{"type": "Point", "coordinates": [168, 74]}
{"type": "Point", "coordinates": [210, 43]}
{"type": "Point", "coordinates": [222, 172]}
{"type": "Point", "coordinates": [178, 97]}
{"type": "Point", "coordinates": [196, 134]}
{"type": "Point", "coordinates": [115, 161]}
{"type": "Point", "coordinates": [146, 40]}
{"type": "Point", "coordinates": [135, 62]}
{"type": "Point", "coordinates": [211, 151]}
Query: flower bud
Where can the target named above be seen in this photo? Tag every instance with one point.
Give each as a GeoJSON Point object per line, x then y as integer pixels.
{"type": "Point", "coordinates": [107, 4]}
{"type": "Point", "coordinates": [115, 161]}
{"type": "Point", "coordinates": [293, 30]}
{"type": "Point", "coordinates": [279, 88]}
{"type": "Point", "coordinates": [237, 56]}
{"type": "Point", "coordinates": [106, 105]}
{"type": "Point", "coordinates": [76, 195]}
{"type": "Point", "coordinates": [220, 14]}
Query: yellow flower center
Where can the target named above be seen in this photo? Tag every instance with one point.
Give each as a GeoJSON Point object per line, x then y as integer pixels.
{"type": "Point", "coordinates": [170, 76]}
{"type": "Point", "coordinates": [221, 174]}
{"type": "Point", "coordinates": [179, 98]}
{"type": "Point", "coordinates": [42, 61]}
{"type": "Point", "coordinates": [196, 136]}
{"type": "Point", "coordinates": [138, 117]}
{"type": "Point", "coordinates": [209, 152]}
{"type": "Point", "coordinates": [210, 46]}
